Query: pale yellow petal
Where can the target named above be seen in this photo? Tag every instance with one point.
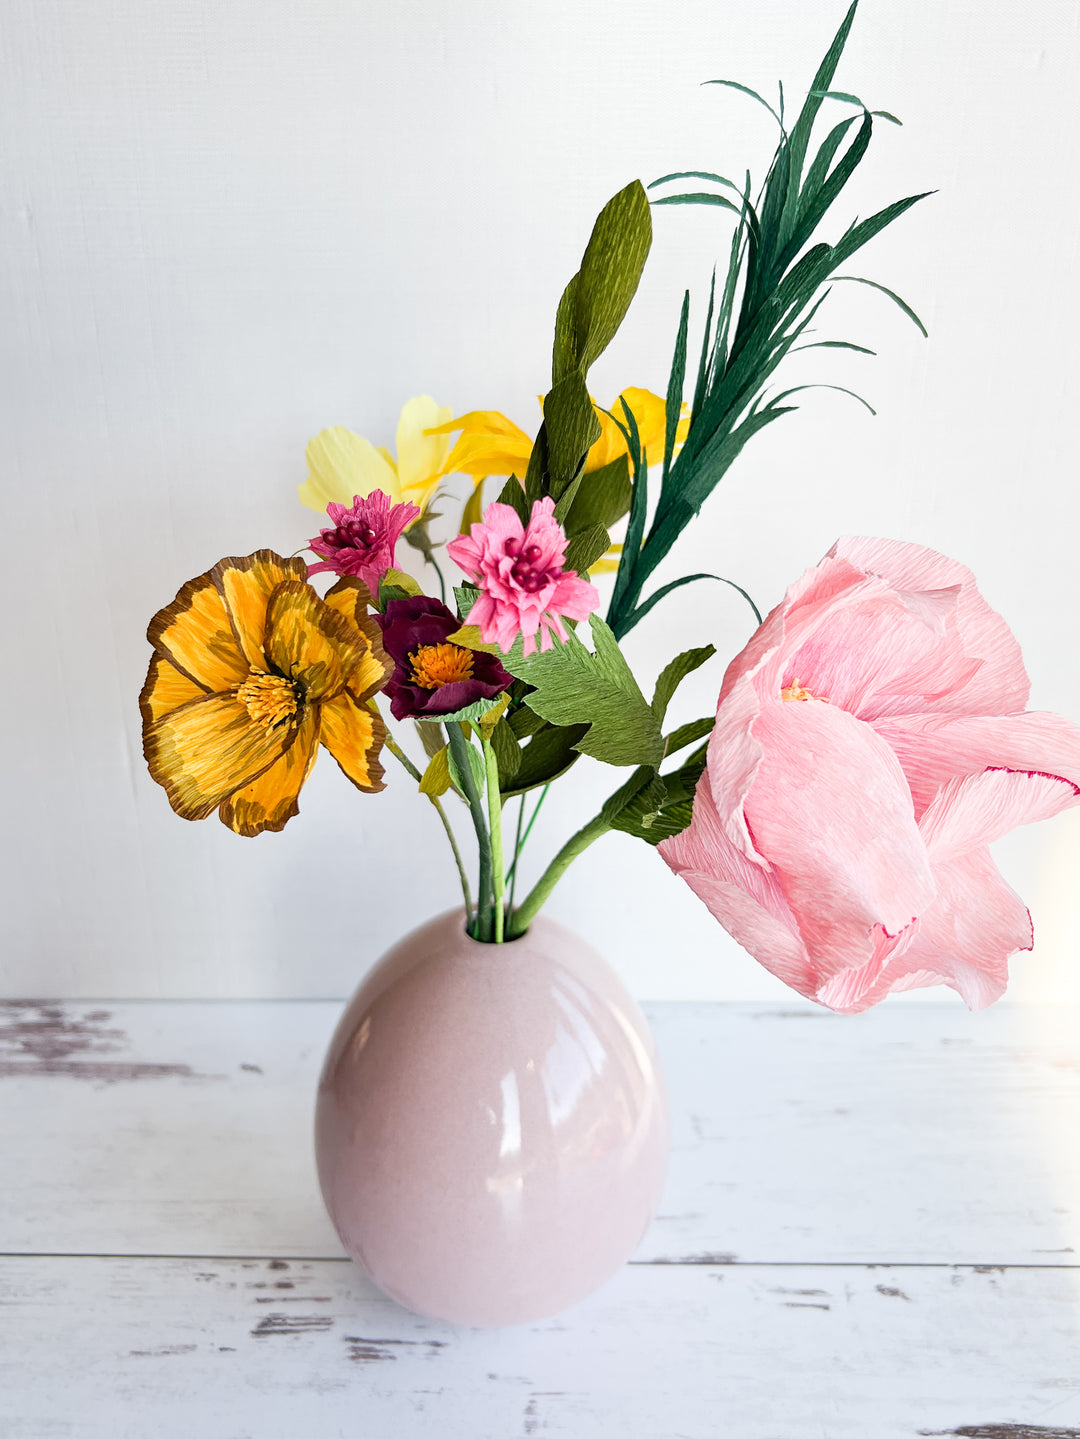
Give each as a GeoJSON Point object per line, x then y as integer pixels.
{"type": "Point", "coordinates": [421, 458]}
{"type": "Point", "coordinates": [608, 562]}
{"type": "Point", "coordinates": [342, 465]}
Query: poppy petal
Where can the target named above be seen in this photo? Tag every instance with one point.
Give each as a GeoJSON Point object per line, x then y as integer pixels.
{"type": "Point", "coordinates": [206, 750]}
{"type": "Point", "coordinates": [195, 635]}
{"type": "Point", "coordinates": [309, 642]}
{"type": "Point", "coordinates": [246, 585]}
{"type": "Point", "coordinates": [269, 801]}
{"type": "Point", "coordinates": [354, 735]}
{"type": "Point", "coordinates": [165, 690]}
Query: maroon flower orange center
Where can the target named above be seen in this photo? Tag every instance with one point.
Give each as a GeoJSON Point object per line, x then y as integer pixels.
{"type": "Point", "coordinates": [268, 699]}
{"type": "Point", "coordinates": [795, 691]}
{"type": "Point", "coordinates": [436, 665]}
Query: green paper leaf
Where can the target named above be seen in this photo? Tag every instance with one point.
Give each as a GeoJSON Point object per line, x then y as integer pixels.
{"type": "Point", "coordinates": [573, 685]}
{"type": "Point", "coordinates": [646, 817]}
{"type": "Point", "coordinates": [673, 674]}
{"type": "Point", "coordinates": [688, 734]}
{"type": "Point", "coordinates": [525, 722]}
{"type": "Point", "coordinates": [572, 429]}
{"type": "Point", "coordinates": [431, 736]}
{"type": "Point", "coordinates": [694, 175]}
{"type": "Point", "coordinates": [513, 493]}
{"type": "Point", "coordinates": [549, 754]}
{"type": "Point", "coordinates": [507, 752]}
{"type": "Point", "coordinates": [608, 277]}
{"type": "Point", "coordinates": [476, 764]}
{"type": "Point", "coordinates": [643, 793]}
{"type": "Point", "coordinates": [908, 311]}
{"type": "Point", "coordinates": [585, 548]}
{"type": "Point", "coordinates": [699, 197]}
{"type": "Point", "coordinates": [753, 94]}
{"type": "Point", "coordinates": [470, 713]}
{"type": "Point", "coordinates": [436, 778]}
{"type": "Point", "coordinates": [602, 497]}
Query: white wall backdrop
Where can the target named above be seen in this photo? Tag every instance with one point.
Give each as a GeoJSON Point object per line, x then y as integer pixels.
{"type": "Point", "coordinates": [228, 224]}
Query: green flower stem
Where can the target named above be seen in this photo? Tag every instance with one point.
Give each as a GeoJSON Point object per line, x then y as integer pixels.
{"type": "Point", "coordinates": [575, 845]}
{"type": "Point", "coordinates": [442, 582]}
{"type": "Point", "coordinates": [457, 860]}
{"type": "Point", "coordinates": [511, 873]}
{"type": "Point", "coordinates": [459, 748]}
{"type": "Point", "coordinates": [403, 759]}
{"type": "Point", "coordinates": [523, 840]}
{"type": "Point", "coordinates": [498, 883]}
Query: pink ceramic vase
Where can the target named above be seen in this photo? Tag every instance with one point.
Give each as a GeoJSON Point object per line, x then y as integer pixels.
{"type": "Point", "coordinates": [492, 1124]}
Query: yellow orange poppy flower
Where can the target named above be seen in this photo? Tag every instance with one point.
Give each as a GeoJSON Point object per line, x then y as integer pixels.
{"type": "Point", "coordinates": [342, 464]}
{"type": "Point", "coordinates": [251, 672]}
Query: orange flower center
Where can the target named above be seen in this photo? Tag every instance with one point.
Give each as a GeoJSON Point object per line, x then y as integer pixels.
{"type": "Point", "coordinates": [268, 699]}
{"type": "Point", "coordinates": [795, 691]}
{"type": "Point", "coordinates": [436, 665]}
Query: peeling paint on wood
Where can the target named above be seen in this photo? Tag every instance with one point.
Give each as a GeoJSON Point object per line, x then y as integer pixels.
{"type": "Point", "coordinates": [708, 1257]}
{"type": "Point", "coordinates": [891, 1292]}
{"type": "Point", "coordinates": [39, 1038]}
{"type": "Point", "coordinates": [291, 1324]}
{"type": "Point", "coordinates": [1004, 1431]}
{"type": "Point", "coordinates": [362, 1350]}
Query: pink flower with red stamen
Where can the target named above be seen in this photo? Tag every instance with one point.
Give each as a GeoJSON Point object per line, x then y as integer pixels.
{"type": "Point", "coordinates": [520, 570]}
{"type": "Point", "coordinates": [362, 540]}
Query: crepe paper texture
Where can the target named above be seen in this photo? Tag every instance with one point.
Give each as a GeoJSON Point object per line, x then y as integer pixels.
{"type": "Point", "coordinates": [869, 743]}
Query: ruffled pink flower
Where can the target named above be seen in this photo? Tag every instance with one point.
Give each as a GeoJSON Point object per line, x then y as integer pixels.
{"type": "Point", "coordinates": [362, 540]}
{"type": "Point", "coordinates": [843, 837]}
{"type": "Point", "coordinates": [520, 570]}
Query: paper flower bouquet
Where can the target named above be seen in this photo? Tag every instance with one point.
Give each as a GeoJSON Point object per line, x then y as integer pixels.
{"type": "Point", "coordinates": [869, 742]}
{"type": "Point", "coordinates": [492, 1135]}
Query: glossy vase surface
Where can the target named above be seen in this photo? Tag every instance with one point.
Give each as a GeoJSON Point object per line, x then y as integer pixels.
{"type": "Point", "coordinates": [492, 1124]}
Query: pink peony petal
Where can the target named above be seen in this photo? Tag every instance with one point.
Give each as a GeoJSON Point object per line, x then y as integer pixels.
{"type": "Point", "coordinates": [1001, 685]}
{"type": "Point", "coordinates": [745, 897]}
{"type": "Point", "coordinates": [966, 814]}
{"type": "Point", "coordinates": [966, 938]}
{"type": "Point", "coordinates": [830, 809]}
{"type": "Point", "coordinates": [934, 749]}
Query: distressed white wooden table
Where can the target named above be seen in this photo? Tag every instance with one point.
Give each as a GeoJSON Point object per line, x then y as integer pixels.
{"type": "Point", "coordinates": [871, 1229]}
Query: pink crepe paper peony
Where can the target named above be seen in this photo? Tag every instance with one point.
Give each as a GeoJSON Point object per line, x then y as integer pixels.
{"type": "Point", "coordinates": [870, 744]}
{"type": "Point", "coordinates": [520, 570]}
{"type": "Point", "coordinates": [362, 541]}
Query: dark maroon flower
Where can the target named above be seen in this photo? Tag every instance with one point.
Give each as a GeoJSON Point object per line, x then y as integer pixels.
{"type": "Point", "coordinates": [432, 676]}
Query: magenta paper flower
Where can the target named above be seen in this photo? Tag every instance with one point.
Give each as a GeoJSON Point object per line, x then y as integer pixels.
{"type": "Point", "coordinates": [520, 570]}
{"type": "Point", "coordinates": [362, 540]}
{"type": "Point", "coordinates": [870, 744]}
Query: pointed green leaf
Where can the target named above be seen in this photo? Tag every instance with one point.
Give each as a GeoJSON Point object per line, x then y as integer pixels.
{"type": "Point", "coordinates": [549, 754]}
{"type": "Point", "coordinates": [688, 734]}
{"type": "Point", "coordinates": [585, 548]}
{"type": "Point", "coordinates": [673, 674]}
{"type": "Point", "coordinates": [745, 90]}
{"type": "Point", "coordinates": [699, 197]}
{"type": "Point", "coordinates": [436, 778]}
{"type": "Point", "coordinates": [574, 685]}
{"type": "Point", "coordinates": [476, 764]}
{"type": "Point", "coordinates": [431, 736]}
{"type": "Point", "coordinates": [908, 311]}
{"type": "Point", "coordinates": [694, 175]}
{"type": "Point", "coordinates": [507, 752]}
{"type": "Point", "coordinates": [610, 271]}
{"type": "Point", "coordinates": [602, 497]}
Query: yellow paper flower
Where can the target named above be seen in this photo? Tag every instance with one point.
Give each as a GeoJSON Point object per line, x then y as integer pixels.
{"type": "Point", "coordinates": [251, 672]}
{"type": "Point", "coordinates": [490, 444]}
{"type": "Point", "coordinates": [342, 464]}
